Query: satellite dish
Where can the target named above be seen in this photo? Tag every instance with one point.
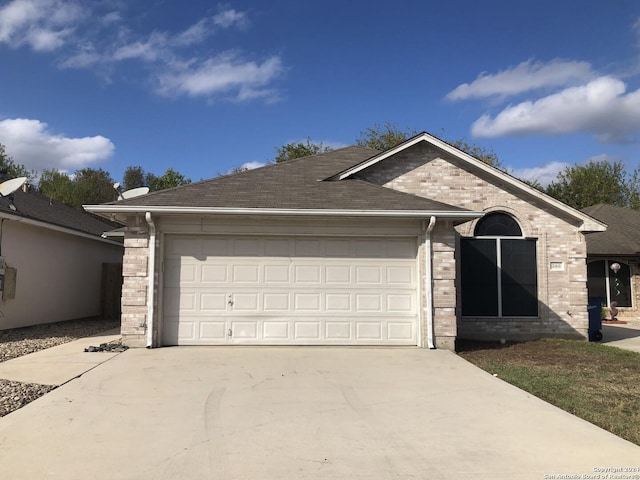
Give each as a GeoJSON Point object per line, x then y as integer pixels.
{"type": "Point", "coordinates": [10, 186]}
{"type": "Point", "coordinates": [135, 192]}
{"type": "Point", "coordinates": [132, 193]}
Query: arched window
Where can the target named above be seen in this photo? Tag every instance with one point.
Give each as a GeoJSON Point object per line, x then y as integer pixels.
{"type": "Point", "coordinates": [498, 270]}
{"type": "Point", "coordinates": [609, 284]}
{"type": "Point", "coordinates": [497, 224]}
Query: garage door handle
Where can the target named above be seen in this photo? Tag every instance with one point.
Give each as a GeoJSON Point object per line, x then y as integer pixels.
{"type": "Point", "coordinates": [230, 302]}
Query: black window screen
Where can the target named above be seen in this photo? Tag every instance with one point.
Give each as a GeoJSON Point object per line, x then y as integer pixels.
{"type": "Point", "coordinates": [497, 225]}
{"type": "Point", "coordinates": [479, 272]}
{"type": "Point", "coordinates": [596, 280]}
{"type": "Point", "coordinates": [519, 278]}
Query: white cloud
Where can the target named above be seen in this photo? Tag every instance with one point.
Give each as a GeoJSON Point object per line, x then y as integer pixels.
{"type": "Point", "coordinates": [149, 50]}
{"type": "Point", "coordinates": [162, 45]}
{"type": "Point", "coordinates": [98, 37]}
{"type": "Point", "coordinates": [229, 18]}
{"type": "Point", "coordinates": [543, 175]}
{"type": "Point", "coordinates": [221, 75]}
{"type": "Point", "coordinates": [601, 107]}
{"type": "Point", "coordinates": [524, 77]}
{"type": "Point", "coordinates": [44, 25]}
{"type": "Point", "coordinates": [31, 143]}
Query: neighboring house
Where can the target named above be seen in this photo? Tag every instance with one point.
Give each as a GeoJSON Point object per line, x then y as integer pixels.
{"type": "Point", "coordinates": [418, 245]}
{"type": "Point", "coordinates": [618, 246]}
{"type": "Point", "coordinates": [54, 257]}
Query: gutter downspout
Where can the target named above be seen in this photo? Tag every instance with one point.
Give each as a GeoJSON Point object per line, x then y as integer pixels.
{"type": "Point", "coordinates": [151, 276]}
{"type": "Point", "coordinates": [428, 281]}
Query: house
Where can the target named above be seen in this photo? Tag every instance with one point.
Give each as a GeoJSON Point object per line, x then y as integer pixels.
{"type": "Point", "coordinates": [53, 257]}
{"type": "Point", "coordinates": [618, 247]}
{"type": "Point", "coordinates": [419, 245]}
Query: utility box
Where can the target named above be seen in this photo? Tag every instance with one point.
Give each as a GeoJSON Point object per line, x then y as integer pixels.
{"type": "Point", "coordinates": [9, 287]}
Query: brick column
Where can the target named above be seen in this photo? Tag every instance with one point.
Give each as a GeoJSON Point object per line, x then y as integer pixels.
{"type": "Point", "coordinates": [134, 286]}
{"type": "Point", "coordinates": [443, 245]}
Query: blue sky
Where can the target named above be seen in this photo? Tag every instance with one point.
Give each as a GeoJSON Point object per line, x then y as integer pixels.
{"type": "Point", "coordinates": [203, 87]}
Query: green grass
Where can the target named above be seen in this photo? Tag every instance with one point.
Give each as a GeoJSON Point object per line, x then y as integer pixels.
{"type": "Point", "coordinates": [598, 383]}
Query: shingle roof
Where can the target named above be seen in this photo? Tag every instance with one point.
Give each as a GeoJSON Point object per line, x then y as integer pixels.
{"type": "Point", "coordinates": [35, 206]}
{"type": "Point", "coordinates": [623, 233]}
{"type": "Point", "coordinates": [296, 184]}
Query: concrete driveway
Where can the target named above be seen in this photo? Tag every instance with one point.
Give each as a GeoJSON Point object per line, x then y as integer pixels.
{"type": "Point", "coordinates": [298, 413]}
{"type": "Point", "coordinates": [625, 336]}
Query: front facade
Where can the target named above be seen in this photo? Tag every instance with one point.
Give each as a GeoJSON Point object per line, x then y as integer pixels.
{"type": "Point", "coordinates": [52, 261]}
{"type": "Point", "coordinates": [419, 245]}
{"type": "Point", "coordinates": [613, 261]}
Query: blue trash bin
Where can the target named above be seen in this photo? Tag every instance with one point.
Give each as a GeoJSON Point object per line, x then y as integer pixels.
{"type": "Point", "coordinates": [594, 308]}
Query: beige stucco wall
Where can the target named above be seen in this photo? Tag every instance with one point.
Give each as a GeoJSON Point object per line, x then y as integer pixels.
{"type": "Point", "coordinates": [426, 171]}
{"type": "Point", "coordinates": [59, 275]}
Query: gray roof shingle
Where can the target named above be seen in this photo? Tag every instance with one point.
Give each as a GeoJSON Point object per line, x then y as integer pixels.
{"type": "Point", "coordinates": [296, 184]}
{"type": "Point", "coordinates": [623, 233]}
{"type": "Point", "coordinates": [34, 206]}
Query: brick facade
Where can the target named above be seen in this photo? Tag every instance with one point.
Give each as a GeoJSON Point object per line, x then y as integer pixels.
{"type": "Point", "coordinates": [426, 171]}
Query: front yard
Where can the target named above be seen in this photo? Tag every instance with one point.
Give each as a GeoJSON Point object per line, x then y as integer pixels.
{"type": "Point", "coordinates": [598, 383]}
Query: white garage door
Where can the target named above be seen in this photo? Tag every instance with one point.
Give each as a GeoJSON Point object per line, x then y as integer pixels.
{"type": "Point", "coordinates": [290, 291]}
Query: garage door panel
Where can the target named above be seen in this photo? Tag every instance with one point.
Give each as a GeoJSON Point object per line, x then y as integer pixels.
{"type": "Point", "coordinates": [214, 273]}
{"type": "Point", "coordinates": [277, 248]}
{"type": "Point", "coordinates": [339, 330]}
{"type": "Point", "coordinates": [369, 330]}
{"type": "Point", "coordinates": [213, 302]}
{"type": "Point", "coordinates": [283, 291]}
{"type": "Point", "coordinates": [400, 275]}
{"type": "Point", "coordinates": [244, 330]}
{"type": "Point", "coordinates": [276, 302]}
{"type": "Point", "coordinates": [245, 302]}
{"type": "Point", "coordinates": [277, 274]}
{"type": "Point", "coordinates": [214, 247]}
{"type": "Point", "coordinates": [307, 274]}
{"type": "Point", "coordinates": [177, 273]}
{"type": "Point", "coordinates": [369, 302]}
{"type": "Point", "coordinates": [212, 331]}
{"type": "Point", "coordinates": [398, 303]}
{"type": "Point", "coordinates": [305, 302]}
{"type": "Point", "coordinates": [368, 274]}
{"type": "Point", "coordinates": [307, 330]}
{"type": "Point", "coordinates": [246, 247]}
{"type": "Point", "coordinates": [276, 330]}
{"type": "Point", "coordinates": [246, 274]}
{"type": "Point", "coordinates": [308, 248]}
{"type": "Point", "coordinates": [400, 331]}
{"type": "Point", "coordinates": [338, 302]}
{"type": "Point", "coordinates": [337, 274]}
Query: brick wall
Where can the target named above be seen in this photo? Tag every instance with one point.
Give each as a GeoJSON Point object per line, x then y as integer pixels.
{"type": "Point", "coordinates": [426, 171]}
{"type": "Point", "coordinates": [135, 285]}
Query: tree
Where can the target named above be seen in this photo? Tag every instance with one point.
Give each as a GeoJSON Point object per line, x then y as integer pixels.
{"type": "Point", "coordinates": [488, 156]}
{"type": "Point", "coordinates": [170, 179]}
{"type": "Point", "coordinates": [296, 150]}
{"type": "Point", "coordinates": [9, 168]}
{"type": "Point", "coordinates": [597, 182]}
{"type": "Point", "coordinates": [87, 186]}
{"type": "Point", "coordinates": [57, 185]}
{"type": "Point", "coordinates": [383, 137]}
{"type": "Point", "coordinates": [134, 177]}
{"type": "Point", "coordinates": [389, 135]}
{"type": "Point", "coordinates": [93, 186]}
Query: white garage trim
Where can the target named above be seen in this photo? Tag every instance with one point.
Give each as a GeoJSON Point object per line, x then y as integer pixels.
{"type": "Point", "coordinates": [268, 290]}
